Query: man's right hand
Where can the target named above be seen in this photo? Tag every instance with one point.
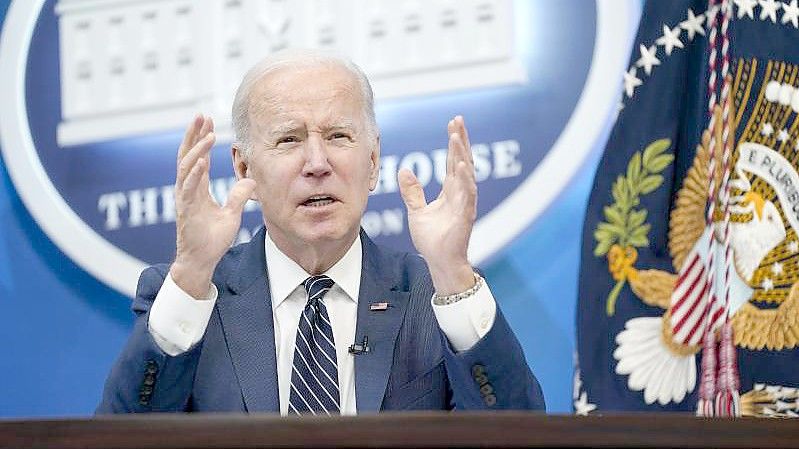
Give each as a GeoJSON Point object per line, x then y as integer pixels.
{"type": "Point", "coordinates": [205, 230]}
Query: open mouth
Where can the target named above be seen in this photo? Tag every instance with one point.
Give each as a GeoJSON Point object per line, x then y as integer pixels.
{"type": "Point", "coordinates": [319, 201]}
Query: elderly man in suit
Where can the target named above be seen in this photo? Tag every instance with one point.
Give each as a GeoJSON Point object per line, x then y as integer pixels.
{"type": "Point", "coordinates": [310, 316]}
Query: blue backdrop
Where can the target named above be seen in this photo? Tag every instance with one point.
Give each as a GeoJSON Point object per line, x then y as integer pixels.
{"type": "Point", "coordinates": [63, 329]}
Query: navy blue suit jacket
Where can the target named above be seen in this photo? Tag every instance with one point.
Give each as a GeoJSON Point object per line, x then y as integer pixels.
{"type": "Point", "coordinates": [410, 364]}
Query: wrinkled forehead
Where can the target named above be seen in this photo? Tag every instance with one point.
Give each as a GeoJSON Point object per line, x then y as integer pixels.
{"type": "Point", "coordinates": [313, 92]}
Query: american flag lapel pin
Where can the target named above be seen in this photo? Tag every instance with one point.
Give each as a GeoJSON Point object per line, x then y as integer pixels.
{"type": "Point", "coordinates": [378, 306]}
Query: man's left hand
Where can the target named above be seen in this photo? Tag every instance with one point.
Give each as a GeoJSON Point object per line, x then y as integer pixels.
{"type": "Point", "coordinates": [441, 229]}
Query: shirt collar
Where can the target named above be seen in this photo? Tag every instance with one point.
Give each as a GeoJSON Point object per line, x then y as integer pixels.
{"type": "Point", "coordinates": [285, 275]}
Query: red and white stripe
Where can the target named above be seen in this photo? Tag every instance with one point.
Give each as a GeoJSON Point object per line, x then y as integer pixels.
{"type": "Point", "coordinates": [695, 305]}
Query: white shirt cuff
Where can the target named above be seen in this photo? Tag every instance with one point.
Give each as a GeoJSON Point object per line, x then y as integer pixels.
{"type": "Point", "coordinates": [178, 321]}
{"type": "Point", "coordinates": [467, 321]}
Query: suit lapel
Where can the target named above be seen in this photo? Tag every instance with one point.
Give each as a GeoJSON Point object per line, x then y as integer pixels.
{"type": "Point", "coordinates": [380, 327]}
{"type": "Point", "coordinates": [246, 316]}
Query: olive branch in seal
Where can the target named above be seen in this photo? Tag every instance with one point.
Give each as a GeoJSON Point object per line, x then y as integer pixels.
{"type": "Point", "coordinates": [625, 227]}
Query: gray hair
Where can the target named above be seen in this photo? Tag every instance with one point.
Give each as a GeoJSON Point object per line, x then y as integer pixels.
{"type": "Point", "coordinates": [294, 58]}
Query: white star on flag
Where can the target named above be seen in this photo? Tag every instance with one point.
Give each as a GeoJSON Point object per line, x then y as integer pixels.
{"type": "Point", "coordinates": [793, 247]}
{"type": "Point", "coordinates": [648, 58]}
{"type": "Point", "coordinates": [693, 25]}
{"type": "Point", "coordinates": [582, 407]}
{"type": "Point", "coordinates": [783, 136]}
{"type": "Point", "coordinates": [767, 130]}
{"type": "Point", "coordinates": [776, 268]}
{"type": "Point", "coordinates": [746, 7]}
{"type": "Point", "coordinates": [671, 39]}
{"type": "Point", "coordinates": [769, 9]}
{"type": "Point", "coordinates": [631, 81]}
{"type": "Point", "coordinates": [767, 284]}
{"type": "Point", "coordinates": [791, 14]}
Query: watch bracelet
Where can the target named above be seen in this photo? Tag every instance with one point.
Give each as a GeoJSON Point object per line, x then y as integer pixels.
{"type": "Point", "coordinates": [455, 297]}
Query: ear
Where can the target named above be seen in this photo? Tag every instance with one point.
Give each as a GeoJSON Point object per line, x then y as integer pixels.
{"type": "Point", "coordinates": [374, 160]}
{"type": "Point", "coordinates": [241, 166]}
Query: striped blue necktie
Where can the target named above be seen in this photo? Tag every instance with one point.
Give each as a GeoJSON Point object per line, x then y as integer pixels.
{"type": "Point", "coordinates": [314, 373]}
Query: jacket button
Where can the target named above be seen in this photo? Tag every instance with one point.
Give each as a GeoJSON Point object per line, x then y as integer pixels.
{"type": "Point", "coordinates": [477, 369]}
{"type": "Point", "coordinates": [490, 400]}
{"type": "Point", "coordinates": [486, 389]}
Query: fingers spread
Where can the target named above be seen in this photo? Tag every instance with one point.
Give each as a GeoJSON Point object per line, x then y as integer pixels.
{"type": "Point", "coordinates": [208, 126]}
{"type": "Point", "coordinates": [460, 126]}
{"type": "Point", "coordinates": [460, 152]}
{"type": "Point", "coordinates": [199, 150]}
{"type": "Point", "coordinates": [199, 128]}
{"type": "Point", "coordinates": [451, 158]}
{"type": "Point", "coordinates": [190, 137]}
{"type": "Point", "coordinates": [410, 190]}
{"type": "Point", "coordinates": [461, 186]}
{"type": "Point", "coordinates": [191, 185]}
{"type": "Point", "coordinates": [459, 141]}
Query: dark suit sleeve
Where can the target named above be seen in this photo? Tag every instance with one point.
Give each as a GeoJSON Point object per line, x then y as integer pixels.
{"type": "Point", "coordinates": [144, 378]}
{"type": "Point", "coordinates": [493, 374]}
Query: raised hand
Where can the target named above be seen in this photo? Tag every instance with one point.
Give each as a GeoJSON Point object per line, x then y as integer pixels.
{"type": "Point", "coordinates": [205, 230]}
{"type": "Point", "coordinates": [441, 229]}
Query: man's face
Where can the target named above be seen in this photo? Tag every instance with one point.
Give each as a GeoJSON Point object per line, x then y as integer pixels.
{"type": "Point", "coordinates": [312, 154]}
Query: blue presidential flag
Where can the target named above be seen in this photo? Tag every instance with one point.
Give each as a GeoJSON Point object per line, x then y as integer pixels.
{"type": "Point", "coordinates": [648, 231]}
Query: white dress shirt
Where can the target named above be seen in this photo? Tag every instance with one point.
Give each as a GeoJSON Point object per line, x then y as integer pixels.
{"type": "Point", "coordinates": [288, 301]}
{"type": "Point", "coordinates": [177, 321]}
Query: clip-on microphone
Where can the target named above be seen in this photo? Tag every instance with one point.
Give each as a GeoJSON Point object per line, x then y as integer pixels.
{"type": "Point", "coordinates": [362, 348]}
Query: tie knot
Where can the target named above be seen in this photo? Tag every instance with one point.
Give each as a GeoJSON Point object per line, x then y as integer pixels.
{"type": "Point", "coordinates": [317, 287]}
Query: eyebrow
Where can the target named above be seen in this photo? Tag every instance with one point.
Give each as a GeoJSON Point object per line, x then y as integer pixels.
{"type": "Point", "coordinates": [343, 123]}
{"type": "Point", "coordinates": [293, 127]}
{"type": "Point", "coordinates": [285, 128]}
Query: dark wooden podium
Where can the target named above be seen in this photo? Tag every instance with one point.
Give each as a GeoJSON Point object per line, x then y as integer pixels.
{"type": "Point", "coordinates": [397, 430]}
